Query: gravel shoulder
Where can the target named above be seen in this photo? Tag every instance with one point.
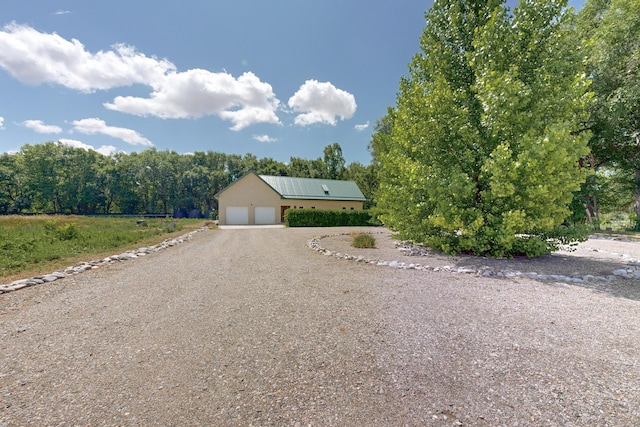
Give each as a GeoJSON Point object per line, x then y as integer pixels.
{"type": "Point", "coordinates": [250, 327]}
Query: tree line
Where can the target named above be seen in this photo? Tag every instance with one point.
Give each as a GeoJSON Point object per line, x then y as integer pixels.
{"type": "Point", "coordinates": [56, 179]}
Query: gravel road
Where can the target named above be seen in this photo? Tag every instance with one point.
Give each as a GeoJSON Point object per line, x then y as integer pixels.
{"type": "Point", "coordinates": [250, 327]}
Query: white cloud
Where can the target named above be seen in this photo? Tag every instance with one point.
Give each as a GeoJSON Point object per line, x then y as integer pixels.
{"type": "Point", "coordinates": [361, 127]}
{"type": "Point", "coordinates": [321, 102]}
{"type": "Point", "coordinates": [34, 57]}
{"type": "Point", "coordinates": [105, 150]}
{"type": "Point", "coordinates": [40, 127]}
{"type": "Point", "coordinates": [62, 12]}
{"type": "Point", "coordinates": [1, 122]}
{"type": "Point", "coordinates": [243, 101]}
{"type": "Point", "coordinates": [264, 138]}
{"type": "Point", "coordinates": [96, 126]}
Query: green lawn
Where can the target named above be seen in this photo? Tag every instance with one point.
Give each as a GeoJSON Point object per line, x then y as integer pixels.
{"type": "Point", "coordinates": [42, 243]}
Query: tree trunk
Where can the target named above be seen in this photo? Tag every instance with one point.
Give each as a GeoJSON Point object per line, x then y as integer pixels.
{"type": "Point", "coordinates": [596, 210]}
{"type": "Point", "coordinates": [637, 204]}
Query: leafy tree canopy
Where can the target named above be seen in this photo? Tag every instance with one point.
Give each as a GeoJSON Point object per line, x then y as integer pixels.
{"type": "Point", "coordinates": [611, 28]}
{"type": "Point", "coordinates": [480, 153]}
{"type": "Point", "coordinates": [54, 178]}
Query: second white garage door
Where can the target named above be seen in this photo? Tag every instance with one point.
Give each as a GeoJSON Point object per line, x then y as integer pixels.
{"type": "Point", "coordinates": [265, 215]}
{"type": "Point", "coordinates": [237, 215]}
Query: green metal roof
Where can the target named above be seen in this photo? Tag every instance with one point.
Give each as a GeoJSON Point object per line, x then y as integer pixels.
{"type": "Point", "coordinates": [313, 189]}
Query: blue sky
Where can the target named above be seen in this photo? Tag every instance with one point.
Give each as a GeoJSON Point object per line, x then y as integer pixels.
{"type": "Point", "coordinates": [275, 79]}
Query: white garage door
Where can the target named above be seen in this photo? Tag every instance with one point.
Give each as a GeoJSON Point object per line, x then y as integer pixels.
{"type": "Point", "coordinates": [265, 215]}
{"type": "Point", "coordinates": [237, 215]}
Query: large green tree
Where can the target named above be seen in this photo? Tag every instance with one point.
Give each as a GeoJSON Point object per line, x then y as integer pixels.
{"type": "Point", "coordinates": [481, 152]}
{"type": "Point", "coordinates": [334, 161]}
{"type": "Point", "coordinates": [366, 179]}
{"type": "Point", "coordinates": [38, 165]}
{"type": "Point", "coordinates": [10, 188]}
{"type": "Point", "coordinates": [611, 28]}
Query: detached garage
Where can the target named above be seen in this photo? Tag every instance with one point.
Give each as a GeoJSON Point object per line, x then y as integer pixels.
{"type": "Point", "coordinates": [263, 199]}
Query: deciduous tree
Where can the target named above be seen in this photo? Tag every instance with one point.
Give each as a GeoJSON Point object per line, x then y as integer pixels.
{"type": "Point", "coordinates": [481, 155]}
{"type": "Point", "coordinates": [334, 161]}
{"type": "Point", "coordinates": [611, 28]}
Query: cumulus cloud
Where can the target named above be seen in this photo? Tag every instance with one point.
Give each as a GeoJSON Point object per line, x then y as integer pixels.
{"type": "Point", "coordinates": [321, 102]}
{"type": "Point", "coordinates": [33, 57]}
{"type": "Point", "coordinates": [194, 93]}
{"type": "Point", "coordinates": [97, 126]}
{"type": "Point", "coordinates": [361, 127]}
{"type": "Point", "coordinates": [105, 150]}
{"type": "Point", "coordinates": [1, 122]}
{"type": "Point", "coordinates": [40, 127]}
{"type": "Point", "coordinates": [264, 138]}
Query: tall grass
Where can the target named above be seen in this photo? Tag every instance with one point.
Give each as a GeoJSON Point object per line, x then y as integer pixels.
{"type": "Point", "coordinates": [363, 241]}
{"type": "Point", "coordinates": [36, 242]}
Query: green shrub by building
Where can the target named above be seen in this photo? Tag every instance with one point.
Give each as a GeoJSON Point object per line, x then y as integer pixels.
{"type": "Point", "coordinates": [327, 218]}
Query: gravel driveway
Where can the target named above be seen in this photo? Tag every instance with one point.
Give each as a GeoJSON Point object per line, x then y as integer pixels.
{"type": "Point", "coordinates": [250, 327]}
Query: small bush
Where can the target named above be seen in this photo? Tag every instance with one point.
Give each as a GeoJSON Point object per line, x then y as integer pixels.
{"type": "Point", "coordinates": [62, 232]}
{"type": "Point", "coordinates": [68, 231]}
{"type": "Point", "coordinates": [363, 240]}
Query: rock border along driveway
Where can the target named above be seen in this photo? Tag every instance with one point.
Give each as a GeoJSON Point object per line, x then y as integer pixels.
{"type": "Point", "coordinates": [630, 271]}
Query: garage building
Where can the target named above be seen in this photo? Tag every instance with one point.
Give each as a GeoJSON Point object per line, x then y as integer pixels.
{"type": "Point", "coordinates": [262, 199]}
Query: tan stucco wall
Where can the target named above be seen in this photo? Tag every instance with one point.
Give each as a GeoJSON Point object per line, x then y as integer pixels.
{"type": "Point", "coordinates": [251, 191]}
{"type": "Point", "coordinates": [322, 204]}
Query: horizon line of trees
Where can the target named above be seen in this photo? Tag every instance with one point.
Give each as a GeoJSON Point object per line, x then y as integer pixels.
{"type": "Point", "coordinates": [51, 178]}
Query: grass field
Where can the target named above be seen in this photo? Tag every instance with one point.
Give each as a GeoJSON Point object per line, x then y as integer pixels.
{"type": "Point", "coordinates": [40, 244]}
